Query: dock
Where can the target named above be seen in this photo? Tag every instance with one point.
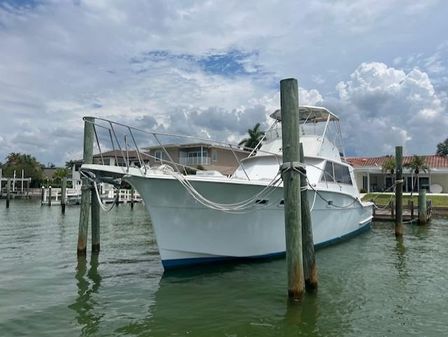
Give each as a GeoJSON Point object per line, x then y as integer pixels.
{"type": "Point", "coordinates": [410, 212]}
{"type": "Point", "coordinates": [19, 186]}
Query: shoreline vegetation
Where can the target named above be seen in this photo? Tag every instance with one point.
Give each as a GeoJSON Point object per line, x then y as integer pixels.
{"type": "Point", "coordinates": [382, 199]}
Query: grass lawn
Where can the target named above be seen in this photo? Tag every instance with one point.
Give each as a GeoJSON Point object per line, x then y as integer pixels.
{"type": "Point", "coordinates": [382, 199]}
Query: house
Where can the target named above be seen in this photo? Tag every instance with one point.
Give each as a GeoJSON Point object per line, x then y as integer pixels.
{"type": "Point", "coordinates": [205, 156]}
{"type": "Point", "coordinates": [370, 176]}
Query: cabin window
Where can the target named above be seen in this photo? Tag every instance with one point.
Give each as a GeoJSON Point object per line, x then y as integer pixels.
{"type": "Point", "coordinates": [327, 176]}
{"type": "Point", "coordinates": [336, 173]}
{"type": "Point", "coordinates": [342, 174]}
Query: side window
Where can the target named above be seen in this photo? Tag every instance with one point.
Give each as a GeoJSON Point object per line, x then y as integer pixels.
{"type": "Point", "coordinates": [342, 174]}
{"type": "Point", "coordinates": [328, 172]}
{"type": "Point", "coordinates": [214, 156]}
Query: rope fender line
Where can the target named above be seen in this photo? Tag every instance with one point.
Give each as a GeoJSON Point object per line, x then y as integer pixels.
{"type": "Point", "coordinates": [239, 207]}
{"type": "Point", "coordinates": [92, 178]}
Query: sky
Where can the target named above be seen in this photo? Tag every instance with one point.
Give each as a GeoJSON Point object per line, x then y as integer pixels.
{"type": "Point", "coordinates": [212, 68]}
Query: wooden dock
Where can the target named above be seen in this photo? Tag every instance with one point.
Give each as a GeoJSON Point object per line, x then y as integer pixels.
{"type": "Point", "coordinates": [410, 213]}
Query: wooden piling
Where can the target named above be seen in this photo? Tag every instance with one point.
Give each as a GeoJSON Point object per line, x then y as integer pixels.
{"type": "Point", "coordinates": [132, 198]}
{"type": "Point", "coordinates": [86, 188]}
{"type": "Point", "coordinates": [8, 192]}
{"type": "Point", "coordinates": [399, 191]}
{"type": "Point", "coordinates": [309, 257]}
{"type": "Point", "coordinates": [95, 209]}
{"type": "Point", "coordinates": [49, 195]}
{"type": "Point", "coordinates": [117, 197]}
{"type": "Point", "coordinates": [63, 194]}
{"type": "Point", "coordinates": [42, 196]}
{"type": "Point", "coordinates": [289, 103]}
{"type": "Point", "coordinates": [422, 210]}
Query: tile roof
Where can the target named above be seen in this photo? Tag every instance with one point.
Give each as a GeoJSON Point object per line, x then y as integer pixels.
{"type": "Point", "coordinates": [433, 161]}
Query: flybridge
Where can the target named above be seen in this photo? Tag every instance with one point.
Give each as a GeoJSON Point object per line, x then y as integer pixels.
{"type": "Point", "coordinates": [320, 133]}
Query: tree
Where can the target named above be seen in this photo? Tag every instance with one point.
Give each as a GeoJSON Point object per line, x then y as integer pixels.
{"type": "Point", "coordinates": [416, 165]}
{"type": "Point", "coordinates": [17, 162]}
{"type": "Point", "coordinates": [442, 148]}
{"type": "Point", "coordinates": [69, 164]}
{"type": "Point", "coordinates": [388, 165]}
{"type": "Point", "coordinates": [253, 141]}
{"type": "Point", "coordinates": [59, 174]}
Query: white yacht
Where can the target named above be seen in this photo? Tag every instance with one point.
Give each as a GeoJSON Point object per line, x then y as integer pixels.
{"type": "Point", "coordinates": [210, 217]}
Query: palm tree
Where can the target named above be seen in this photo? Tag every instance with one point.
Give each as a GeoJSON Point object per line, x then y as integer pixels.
{"type": "Point", "coordinates": [388, 166]}
{"type": "Point", "coordinates": [442, 148]}
{"type": "Point", "coordinates": [253, 141]}
{"type": "Point", "coordinates": [416, 165]}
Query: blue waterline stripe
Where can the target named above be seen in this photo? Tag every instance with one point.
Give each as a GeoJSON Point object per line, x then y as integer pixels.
{"type": "Point", "coordinates": [179, 263]}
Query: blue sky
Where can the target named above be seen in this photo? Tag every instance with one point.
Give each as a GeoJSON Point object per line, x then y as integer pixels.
{"type": "Point", "coordinates": [213, 68]}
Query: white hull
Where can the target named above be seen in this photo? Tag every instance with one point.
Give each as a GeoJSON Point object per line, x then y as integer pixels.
{"type": "Point", "coordinates": [189, 233]}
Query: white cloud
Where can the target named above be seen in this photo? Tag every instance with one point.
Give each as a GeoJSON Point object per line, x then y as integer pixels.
{"type": "Point", "coordinates": [385, 107]}
{"type": "Point", "coordinates": [63, 60]}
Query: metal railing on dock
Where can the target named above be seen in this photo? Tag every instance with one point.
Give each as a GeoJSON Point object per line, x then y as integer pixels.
{"type": "Point", "coordinates": [53, 196]}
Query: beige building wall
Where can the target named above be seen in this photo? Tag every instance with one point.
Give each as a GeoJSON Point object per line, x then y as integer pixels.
{"type": "Point", "coordinates": [440, 179]}
{"type": "Point", "coordinates": [358, 178]}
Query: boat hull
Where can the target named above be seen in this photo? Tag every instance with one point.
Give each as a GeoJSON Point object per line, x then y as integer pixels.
{"type": "Point", "coordinates": [189, 233]}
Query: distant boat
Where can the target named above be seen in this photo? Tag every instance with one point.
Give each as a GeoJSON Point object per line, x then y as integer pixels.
{"type": "Point", "coordinates": [210, 217]}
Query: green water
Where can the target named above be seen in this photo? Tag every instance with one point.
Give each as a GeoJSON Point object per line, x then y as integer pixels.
{"type": "Point", "coordinates": [372, 285]}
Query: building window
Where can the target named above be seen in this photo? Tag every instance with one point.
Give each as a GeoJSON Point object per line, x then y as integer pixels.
{"type": "Point", "coordinates": [158, 154]}
{"type": "Point", "coordinates": [214, 156]}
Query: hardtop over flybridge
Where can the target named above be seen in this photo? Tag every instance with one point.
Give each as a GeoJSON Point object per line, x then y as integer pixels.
{"type": "Point", "coordinates": [209, 216]}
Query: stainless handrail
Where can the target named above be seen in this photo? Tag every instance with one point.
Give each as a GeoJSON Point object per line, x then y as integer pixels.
{"type": "Point", "coordinates": [116, 145]}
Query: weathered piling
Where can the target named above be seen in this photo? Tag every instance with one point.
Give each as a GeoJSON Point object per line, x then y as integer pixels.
{"type": "Point", "coordinates": [309, 257]}
{"type": "Point", "coordinates": [411, 208]}
{"type": "Point", "coordinates": [95, 209]}
{"type": "Point", "coordinates": [399, 191]}
{"type": "Point", "coordinates": [8, 192]}
{"type": "Point", "coordinates": [422, 210]}
{"type": "Point", "coordinates": [132, 198]}
{"type": "Point", "coordinates": [86, 188]}
{"type": "Point", "coordinates": [42, 196]}
{"type": "Point", "coordinates": [289, 103]}
{"type": "Point", "coordinates": [63, 194]}
{"type": "Point", "coordinates": [49, 195]}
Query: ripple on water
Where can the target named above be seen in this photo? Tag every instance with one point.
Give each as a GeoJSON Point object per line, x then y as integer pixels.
{"type": "Point", "coordinates": [373, 285]}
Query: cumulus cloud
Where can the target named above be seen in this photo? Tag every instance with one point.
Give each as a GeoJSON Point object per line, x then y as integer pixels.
{"type": "Point", "coordinates": [209, 68]}
{"type": "Point", "coordinates": [384, 107]}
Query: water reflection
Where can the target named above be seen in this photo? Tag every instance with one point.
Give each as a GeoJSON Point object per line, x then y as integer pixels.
{"type": "Point", "coordinates": [233, 300]}
{"type": "Point", "coordinates": [301, 318]}
{"type": "Point", "coordinates": [88, 283]}
{"type": "Point", "coordinates": [400, 263]}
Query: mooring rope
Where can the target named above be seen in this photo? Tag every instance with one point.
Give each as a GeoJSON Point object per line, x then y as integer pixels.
{"type": "Point", "coordinates": [92, 178]}
{"type": "Point", "coordinates": [243, 206]}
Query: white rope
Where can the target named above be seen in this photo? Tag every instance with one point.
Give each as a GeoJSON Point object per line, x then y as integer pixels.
{"type": "Point", "coordinates": [238, 207]}
{"type": "Point", "coordinates": [90, 177]}
{"type": "Point", "coordinates": [103, 207]}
